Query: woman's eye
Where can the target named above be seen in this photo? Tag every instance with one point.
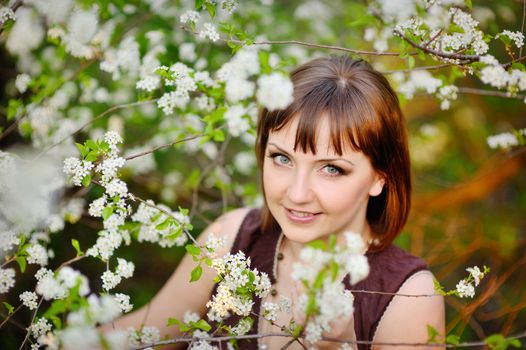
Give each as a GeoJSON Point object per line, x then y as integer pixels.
{"type": "Point", "coordinates": [332, 170]}
{"type": "Point", "coordinates": [281, 159]}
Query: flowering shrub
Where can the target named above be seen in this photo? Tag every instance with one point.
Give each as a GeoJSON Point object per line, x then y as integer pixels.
{"type": "Point", "coordinates": [155, 97]}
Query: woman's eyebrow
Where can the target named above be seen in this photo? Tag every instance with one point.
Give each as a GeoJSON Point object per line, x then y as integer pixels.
{"type": "Point", "coordinates": [317, 160]}
{"type": "Point", "coordinates": [279, 148]}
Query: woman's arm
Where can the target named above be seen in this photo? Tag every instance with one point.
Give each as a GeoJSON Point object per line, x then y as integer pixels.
{"type": "Point", "coordinates": [406, 318]}
{"type": "Point", "coordinates": [179, 295]}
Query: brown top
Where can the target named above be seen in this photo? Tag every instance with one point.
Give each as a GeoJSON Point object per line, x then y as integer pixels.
{"type": "Point", "coordinates": [389, 269]}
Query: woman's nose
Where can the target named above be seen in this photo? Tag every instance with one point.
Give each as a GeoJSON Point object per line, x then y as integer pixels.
{"type": "Point", "coordinates": [300, 190]}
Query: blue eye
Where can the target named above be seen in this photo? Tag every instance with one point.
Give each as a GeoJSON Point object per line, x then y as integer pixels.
{"type": "Point", "coordinates": [333, 170]}
{"type": "Point", "coordinates": [281, 159]}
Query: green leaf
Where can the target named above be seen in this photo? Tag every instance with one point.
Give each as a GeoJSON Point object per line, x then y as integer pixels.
{"type": "Point", "coordinates": [56, 321]}
{"type": "Point", "coordinates": [211, 8]}
{"type": "Point", "coordinates": [92, 156]}
{"type": "Point", "coordinates": [86, 180]}
{"type": "Point", "coordinates": [9, 308]}
{"type": "Point", "coordinates": [199, 4]}
{"type": "Point", "coordinates": [332, 242]}
{"type": "Point", "coordinates": [318, 282]}
{"type": "Point", "coordinates": [164, 225]}
{"type": "Point", "coordinates": [311, 305]}
{"type": "Point", "coordinates": [317, 244]}
{"type": "Point", "coordinates": [432, 334]}
{"type": "Point", "coordinates": [219, 135]}
{"type": "Point", "coordinates": [81, 148]}
{"type": "Point", "coordinates": [453, 339]}
{"type": "Point", "coordinates": [192, 249]}
{"type": "Point", "coordinates": [469, 4]}
{"type": "Point", "coordinates": [57, 307]}
{"type": "Point", "coordinates": [183, 327]}
{"type": "Point", "coordinates": [91, 145]}
{"type": "Point", "coordinates": [76, 245]}
{"type": "Point", "coordinates": [22, 262]}
{"type": "Point", "coordinates": [411, 62]}
{"type": "Point", "coordinates": [334, 270]}
{"type": "Point", "coordinates": [106, 212]}
{"type": "Point", "coordinates": [13, 108]}
{"type": "Point", "coordinates": [196, 273]}
{"type": "Point", "coordinates": [202, 325]}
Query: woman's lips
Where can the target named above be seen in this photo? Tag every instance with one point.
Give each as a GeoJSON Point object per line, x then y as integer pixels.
{"type": "Point", "coordinates": [299, 216]}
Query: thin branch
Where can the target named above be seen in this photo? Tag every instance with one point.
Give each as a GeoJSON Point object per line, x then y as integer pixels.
{"type": "Point", "coordinates": [438, 66]}
{"type": "Point", "coordinates": [103, 114]}
{"type": "Point", "coordinates": [307, 44]}
{"type": "Point", "coordinates": [32, 320]}
{"type": "Point", "coordinates": [472, 344]}
{"type": "Point", "coordinates": [456, 56]}
{"type": "Point", "coordinates": [163, 146]}
{"type": "Point", "coordinates": [519, 59]}
{"type": "Point", "coordinates": [320, 46]}
{"type": "Point", "coordinates": [8, 261]}
{"type": "Point", "coordinates": [466, 90]}
{"type": "Point", "coordinates": [8, 317]}
{"type": "Point", "coordinates": [14, 7]}
{"type": "Point", "coordinates": [218, 159]}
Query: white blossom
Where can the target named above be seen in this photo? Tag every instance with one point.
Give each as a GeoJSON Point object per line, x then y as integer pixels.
{"type": "Point", "coordinates": [7, 279]}
{"type": "Point", "coordinates": [37, 254]}
{"type": "Point", "coordinates": [516, 37]}
{"type": "Point", "coordinates": [274, 91]}
{"type": "Point", "coordinates": [125, 268]}
{"type": "Point", "coordinates": [504, 140]}
{"type": "Point", "coordinates": [110, 280]}
{"type": "Point", "coordinates": [209, 32]}
{"type": "Point", "coordinates": [237, 125]}
{"type": "Point", "coordinates": [22, 82]}
{"type": "Point", "coordinates": [189, 17]}
{"type": "Point", "coordinates": [40, 327]}
{"type": "Point", "coordinates": [29, 299]}
{"type": "Point", "coordinates": [465, 289]}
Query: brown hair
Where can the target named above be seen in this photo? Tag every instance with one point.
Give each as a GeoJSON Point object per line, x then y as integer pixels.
{"type": "Point", "coordinates": [363, 112]}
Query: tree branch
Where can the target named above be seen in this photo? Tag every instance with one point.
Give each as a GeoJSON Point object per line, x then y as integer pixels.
{"type": "Point", "coordinates": [456, 56]}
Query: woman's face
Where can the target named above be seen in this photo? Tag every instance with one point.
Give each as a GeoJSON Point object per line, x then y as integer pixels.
{"type": "Point", "coordinates": [312, 196]}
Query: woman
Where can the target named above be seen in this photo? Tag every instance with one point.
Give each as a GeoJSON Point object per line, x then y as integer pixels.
{"type": "Point", "coordinates": [335, 160]}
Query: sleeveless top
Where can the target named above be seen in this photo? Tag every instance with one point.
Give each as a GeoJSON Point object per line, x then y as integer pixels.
{"type": "Point", "coordinates": [389, 269]}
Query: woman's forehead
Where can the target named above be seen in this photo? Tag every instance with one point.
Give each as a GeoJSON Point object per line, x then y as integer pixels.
{"type": "Point", "coordinates": [323, 138]}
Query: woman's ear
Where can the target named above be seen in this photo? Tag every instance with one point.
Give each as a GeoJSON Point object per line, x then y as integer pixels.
{"type": "Point", "coordinates": [377, 186]}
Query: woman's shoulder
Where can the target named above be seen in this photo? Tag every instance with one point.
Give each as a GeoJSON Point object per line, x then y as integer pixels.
{"type": "Point", "coordinates": [228, 225]}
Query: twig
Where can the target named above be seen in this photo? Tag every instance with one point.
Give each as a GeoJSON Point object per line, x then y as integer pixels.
{"type": "Point", "coordinates": [303, 43]}
{"type": "Point", "coordinates": [468, 58]}
{"type": "Point", "coordinates": [438, 66]}
{"type": "Point", "coordinates": [218, 159]}
{"type": "Point", "coordinates": [8, 317]}
{"type": "Point", "coordinates": [103, 114]}
{"type": "Point", "coordinates": [163, 146]}
{"type": "Point", "coordinates": [472, 344]}
{"type": "Point", "coordinates": [466, 90]}
{"type": "Point", "coordinates": [14, 7]}
{"type": "Point", "coordinates": [32, 320]}
{"type": "Point", "coordinates": [10, 260]}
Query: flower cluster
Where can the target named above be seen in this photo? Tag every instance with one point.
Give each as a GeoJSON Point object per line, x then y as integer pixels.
{"type": "Point", "coordinates": [446, 94]}
{"type": "Point", "coordinates": [57, 286]}
{"type": "Point", "coordinates": [494, 74]}
{"type": "Point", "coordinates": [111, 279]}
{"type": "Point", "coordinates": [466, 287]}
{"type": "Point", "coordinates": [145, 335]}
{"type": "Point", "coordinates": [274, 91]}
{"type": "Point", "coordinates": [516, 37]}
{"type": "Point", "coordinates": [506, 140]}
{"type": "Point", "coordinates": [417, 81]}
{"type": "Point", "coordinates": [167, 228]}
{"type": "Point", "coordinates": [7, 279]}
{"type": "Point", "coordinates": [329, 300]}
{"type": "Point", "coordinates": [237, 286]}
